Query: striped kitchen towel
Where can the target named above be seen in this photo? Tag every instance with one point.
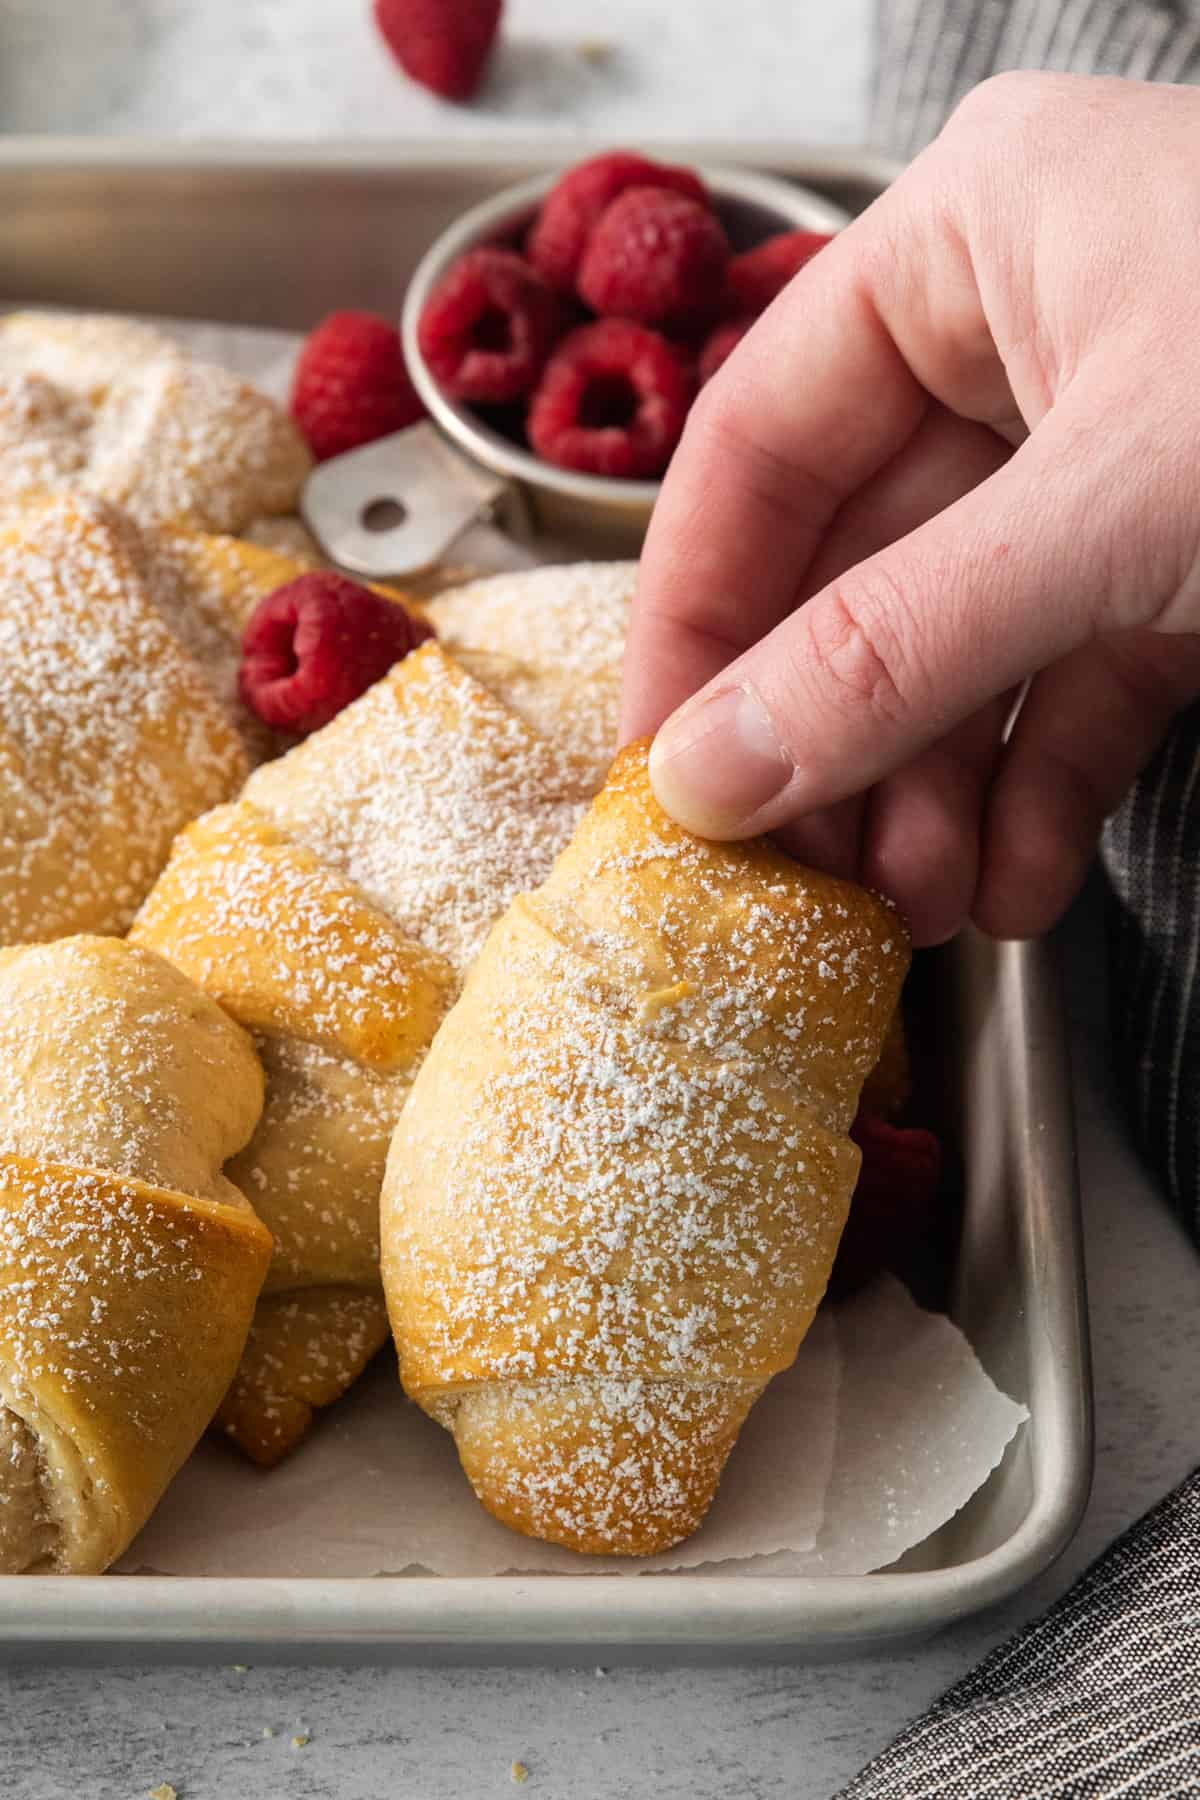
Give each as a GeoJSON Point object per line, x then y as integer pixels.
{"type": "Point", "coordinates": [1151, 850]}
{"type": "Point", "coordinates": [1101, 1696]}
{"type": "Point", "coordinates": [929, 53]}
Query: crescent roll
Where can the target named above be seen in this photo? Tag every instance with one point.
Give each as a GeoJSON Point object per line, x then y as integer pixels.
{"type": "Point", "coordinates": [129, 1263]}
{"type": "Point", "coordinates": [335, 908]}
{"type": "Point", "coordinates": [113, 408]}
{"type": "Point", "coordinates": [615, 1193]}
{"type": "Point", "coordinates": [110, 738]}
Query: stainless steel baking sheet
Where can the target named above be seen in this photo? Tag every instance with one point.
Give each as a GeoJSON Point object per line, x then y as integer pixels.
{"type": "Point", "coordinates": [276, 236]}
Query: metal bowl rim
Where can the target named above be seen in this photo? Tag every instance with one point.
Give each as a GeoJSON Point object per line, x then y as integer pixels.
{"type": "Point", "coordinates": [795, 206]}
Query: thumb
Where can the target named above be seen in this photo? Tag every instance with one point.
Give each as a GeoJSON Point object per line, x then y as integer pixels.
{"type": "Point", "coordinates": [887, 659]}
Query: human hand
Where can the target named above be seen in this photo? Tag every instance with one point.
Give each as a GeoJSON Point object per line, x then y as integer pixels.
{"type": "Point", "coordinates": [961, 451]}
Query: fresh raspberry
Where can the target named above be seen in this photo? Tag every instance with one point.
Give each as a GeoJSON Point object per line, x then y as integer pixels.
{"type": "Point", "coordinates": [612, 401]}
{"type": "Point", "coordinates": [895, 1212]}
{"type": "Point", "coordinates": [488, 327]}
{"type": "Point", "coordinates": [655, 256]}
{"type": "Point", "coordinates": [719, 343]}
{"type": "Point", "coordinates": [575, 203]}
{"type": "Point", "coordinates": [443, 44]}
{"type": "Point", "coordinates": [317, 643]}
{"type": "Point", "coordinates": [351, 385]}
{"type": "Point", "coordinates": [753, 279]}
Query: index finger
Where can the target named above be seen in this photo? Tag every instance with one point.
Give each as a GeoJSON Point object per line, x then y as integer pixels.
{"type": "Point", "coordinates": [827, 387]}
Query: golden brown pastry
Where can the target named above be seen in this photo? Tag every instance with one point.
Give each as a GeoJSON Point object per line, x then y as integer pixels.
{"type": "Point", "coordinates": [112, 407]}
{"type": "Point", "coordinates": [556, 637]}
{"type": "Point", "coordinates": [888, 1088]}
{"type": "Point", "coordinates": [206, 587]}
{"type": "Point", "coordinates": [110, 739]}
{"type": "Point", "coordinates": [334, 911]}
{"type": "Point", "coordinates": [129, 1263]}
{"type": "Point", "coordinates": [615, 1193]}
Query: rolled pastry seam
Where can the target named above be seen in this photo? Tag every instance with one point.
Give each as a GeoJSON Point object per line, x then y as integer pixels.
{"type": "Point", "coordinates": [614, 1197]}
{"type": "Point", "coordinates": [124, 1302]}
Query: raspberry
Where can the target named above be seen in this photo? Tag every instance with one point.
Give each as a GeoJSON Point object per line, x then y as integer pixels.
{"type": "Point", "coordinates": [753, 279]}
{"type": "Point", "coordinates": [895, 1210]}
{"type": "Point", "coordinates": [575, 203]}
{"type": "Point", "coordinates": [488, 327]}
{"type": "Point", "coordinates": [351, 385]}
{"type": "Point", "coordinates": [612, 401]}
{"type": "Point", "coordinates": [443, 44]}
{"type": "Point", "coordinates": [655, 256]}
{"type": "Point", "coordinates": [317, 643]}
{"type": "Point", "coordinates": [719, 343]}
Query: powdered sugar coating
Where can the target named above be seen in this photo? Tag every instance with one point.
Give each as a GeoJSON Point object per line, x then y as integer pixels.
{"type": "Point", "coordinates": [549, 643]}
{"type": "Point", "coordinates": [109, 738]}
{"type": "Point", "coordinates": [304, 1350]}
{"type": "Point", "coordinates": [120, 412]}
{"type": "Point", "coordinates": [206, 586]}
{"type": "Point", "coordinates": [622, 1173]}
{"type": "Point", "coordinates": [286, 945]}
{"type": "Point", "coordinates": [432, 797]}
{"type": "Point", "coordinates": [123, 1303]}
{"type": "Point", "coordinates": [435, 800]}
{"type": "Point", "coordinates": [111, 1059]}
{"type": "Point", "coordinates": [44, 440]}
{"type": "Point", "coordinates": [314, 1165]}
{"type": "Point", "coordinates": [122, 1310]}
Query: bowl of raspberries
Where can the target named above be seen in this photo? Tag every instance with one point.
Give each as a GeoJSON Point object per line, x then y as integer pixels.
{"type": "Point", "coordinates": [560, 332]}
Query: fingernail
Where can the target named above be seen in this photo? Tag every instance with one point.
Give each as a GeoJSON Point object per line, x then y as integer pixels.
{"type": "Point", "coordinates": [717, 762]}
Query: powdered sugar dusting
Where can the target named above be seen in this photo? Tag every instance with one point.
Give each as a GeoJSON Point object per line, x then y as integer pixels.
{"type": "Point", "coordinates": [274, 934]}
{"type": "Point", "coordinates": [431, 796]}
{"type": "Point", "coordinates": [624, 1167]}
{"type": "Point", "coordinates": [109, 738]}
{"type": "Point", "coordinates": [117, 410]}
{"type": "Point", "coordinates": [115, 1072]}
{"type": "Point", "coordinates": [206, 587]}
{"type": "Point", "coordinates": [110, 1059]}
{"type": "Point", "coordinates": [549, 643]}
{"type": "Point", "coordinates": [435, 801]}
{"type": "Point", "coordinates": [303, 1351]}
{"type": "Point", "coordinates": [314, 1166]}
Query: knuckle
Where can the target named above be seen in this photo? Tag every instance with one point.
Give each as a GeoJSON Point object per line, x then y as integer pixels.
{"type": "Point", "coordinates": [861, 636]}
{"type": "Point", "coordinates": [1016, 98]}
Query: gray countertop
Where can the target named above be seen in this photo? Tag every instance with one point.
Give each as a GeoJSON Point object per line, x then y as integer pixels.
{"type": "Point", "coordinates": [305, 68]}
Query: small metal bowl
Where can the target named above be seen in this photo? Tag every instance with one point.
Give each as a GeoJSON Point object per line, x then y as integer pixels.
{"type": "Point", "coordinates": [609, 516]}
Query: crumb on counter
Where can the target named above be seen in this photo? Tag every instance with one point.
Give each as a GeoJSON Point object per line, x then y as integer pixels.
{"type": "Point", "coordinates": [519, 1772]}
{"type": "Point", "coordinates": [164, 1791]}
{"type": "Point", "coordinates": [301, 1738]}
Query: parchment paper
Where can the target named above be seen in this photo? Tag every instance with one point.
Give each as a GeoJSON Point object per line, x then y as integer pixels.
{"type": "Point", "coordinates": [884, 1426]}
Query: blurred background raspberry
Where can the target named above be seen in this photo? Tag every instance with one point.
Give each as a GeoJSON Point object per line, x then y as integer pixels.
{"type": "Point", "coordinates": [637, 69]}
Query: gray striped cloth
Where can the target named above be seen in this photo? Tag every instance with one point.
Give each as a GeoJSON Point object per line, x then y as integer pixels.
{"type": "Point", "coordinates": [930, 52]}
{"type": "Point", "coordinates": [1151, 850]}
{"type": "Point", "coordinates": [1101, 1696]}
